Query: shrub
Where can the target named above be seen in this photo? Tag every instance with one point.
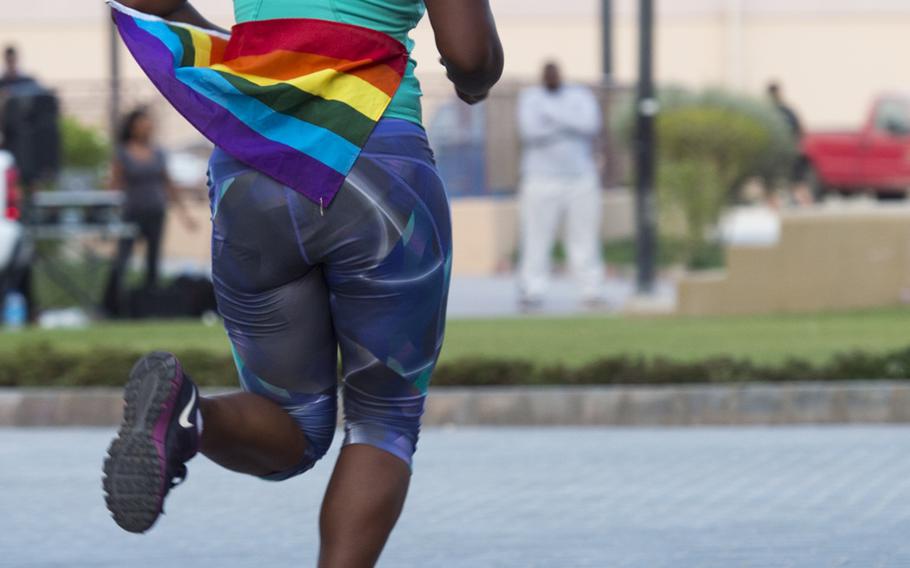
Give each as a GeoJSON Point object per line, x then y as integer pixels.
{"type": "Point", "coordinates": [43, 365]}
{"type": "Point", "coordinates": [709, 145]}
{"type": "Point", "coordinates": [482, 372]}
{"type": "Point", "coordinates": [695, 188]}
{"type": "Point", "coordinates": [84, 147]}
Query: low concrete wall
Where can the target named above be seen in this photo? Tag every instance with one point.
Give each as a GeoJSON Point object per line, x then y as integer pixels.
{"type": "Point", "coordinates": [485, 230]}
{"type": "Point", "coordinates": [826, 259]}
{"type": "Point", "coordinates": [484, 234]}
{"type": "Point", "coordinates": [684, 405]}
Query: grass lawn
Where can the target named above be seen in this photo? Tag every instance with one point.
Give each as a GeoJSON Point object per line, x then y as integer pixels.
{"type": "Point", "coordinates": [570, 341]}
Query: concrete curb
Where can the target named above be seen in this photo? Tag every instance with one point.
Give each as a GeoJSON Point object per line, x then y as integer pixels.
{"type": "Point", "coordinates": [859, 402]}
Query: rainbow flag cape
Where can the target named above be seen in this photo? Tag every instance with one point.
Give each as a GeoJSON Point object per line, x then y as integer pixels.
{"type": "Point", "coordinates": [295, 99]}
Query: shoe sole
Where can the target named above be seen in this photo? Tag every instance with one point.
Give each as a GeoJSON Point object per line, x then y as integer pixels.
{"type": "Point", "coordinates": [134, 471]}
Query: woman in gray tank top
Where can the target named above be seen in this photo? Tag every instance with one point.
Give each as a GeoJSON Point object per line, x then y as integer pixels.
{"type": "Point", "coordinates": [139, 169]}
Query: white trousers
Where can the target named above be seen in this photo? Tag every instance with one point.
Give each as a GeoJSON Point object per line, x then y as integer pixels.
{"type": "Point", "coordinates": [543, 203]}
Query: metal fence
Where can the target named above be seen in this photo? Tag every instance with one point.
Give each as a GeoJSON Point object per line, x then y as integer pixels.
{"type": "Point", "coordinates": [477, 148]}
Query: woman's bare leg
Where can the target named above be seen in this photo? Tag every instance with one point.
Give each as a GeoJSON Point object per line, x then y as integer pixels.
{"type": "Point", "coordinates": [362, 504]}
{"type": "Point", "coordinates": [250, 434]}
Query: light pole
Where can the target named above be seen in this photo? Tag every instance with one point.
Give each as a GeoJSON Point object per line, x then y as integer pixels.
{"type": "Point", "coordinates": [646, 109]}
{"type": "Point", "coordinates": [114, 78]}
{"type": "Point", "coordinates": [606, 18]}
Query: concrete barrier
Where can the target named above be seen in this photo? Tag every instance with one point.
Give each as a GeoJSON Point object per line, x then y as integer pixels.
{"type": "Point", "coordinates": [827, 258]}
{"type": "Point", "coordinates": [859, 402]}
{"type": "Point", "coordinates": [486, 230]}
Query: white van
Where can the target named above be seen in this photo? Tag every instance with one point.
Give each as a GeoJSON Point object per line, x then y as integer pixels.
{"type": "Point", "coordinates": [13, 253]}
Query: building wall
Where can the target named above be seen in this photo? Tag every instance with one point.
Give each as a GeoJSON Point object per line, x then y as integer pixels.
{"type": "Point", "coordinates": [832, 57]}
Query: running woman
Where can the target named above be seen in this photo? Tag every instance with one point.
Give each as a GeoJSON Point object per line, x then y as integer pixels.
{"type": "Point", "coordinates": [330, 230]}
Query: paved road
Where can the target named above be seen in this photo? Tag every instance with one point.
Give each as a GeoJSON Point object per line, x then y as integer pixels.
{"type": "Point", "coordinates": [696, 498]}
{"type": "Point", "coordinates": [497, 296]}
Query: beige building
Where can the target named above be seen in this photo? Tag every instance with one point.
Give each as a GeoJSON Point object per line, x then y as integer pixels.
{"type": "Point", "coordinates": [832, 56]}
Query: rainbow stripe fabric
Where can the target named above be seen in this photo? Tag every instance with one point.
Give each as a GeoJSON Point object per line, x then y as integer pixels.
{"type": "Point", "coordinates": [295, 99]}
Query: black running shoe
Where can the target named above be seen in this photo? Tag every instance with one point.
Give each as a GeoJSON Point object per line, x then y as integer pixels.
{"type": "Point", "coordinates": [159, 434]}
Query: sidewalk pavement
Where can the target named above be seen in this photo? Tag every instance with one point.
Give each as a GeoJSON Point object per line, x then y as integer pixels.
{"type": "Point", "coordinates": [497, 296]}
{"type": "Point", "coordinates": [509, 497]}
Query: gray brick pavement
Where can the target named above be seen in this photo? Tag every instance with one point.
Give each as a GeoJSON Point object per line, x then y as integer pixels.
{"type": "Point", "coordinates": [485, 497]}
{"type": "Point", "coordinates": [497, 296]}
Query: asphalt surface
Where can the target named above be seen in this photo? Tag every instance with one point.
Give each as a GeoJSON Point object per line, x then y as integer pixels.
{"type": "Point", "coordinates": [497, 296]}
{"type": "Point", "coordinates": [486, 497]}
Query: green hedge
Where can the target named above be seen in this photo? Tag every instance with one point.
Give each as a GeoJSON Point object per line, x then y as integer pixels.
{"type": "Point", "coordinates": [84, 147]}
{"type": "Point", "coordinates": [42, 365]}
{"type": "Point", "coordinates": [709, 145]}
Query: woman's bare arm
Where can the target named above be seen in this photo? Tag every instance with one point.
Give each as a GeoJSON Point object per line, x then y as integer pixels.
{"type": "Point", "coordinates": [173, 10]}
{"type": "Point", "coordinates": [467, 39]}
{"type": "Point", "coordinates": [116, 181]}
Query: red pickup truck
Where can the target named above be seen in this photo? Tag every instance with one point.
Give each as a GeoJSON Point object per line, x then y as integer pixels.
{"type": "Point", "coordinates": [875, 159]}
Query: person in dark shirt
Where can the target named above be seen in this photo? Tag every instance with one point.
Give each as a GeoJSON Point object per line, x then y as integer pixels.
{"type": "Point", "coordinates": [801, 192]}
{"type": "Point", "coordinates": [28, 123]}
{"type": "Point", "coordinates": [9, 79]}
{"type": "Point", "coordinates": [789, 115]}
{"type": "Point", "coordinates": [11, 74]}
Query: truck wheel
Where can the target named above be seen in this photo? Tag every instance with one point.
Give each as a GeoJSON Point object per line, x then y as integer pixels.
{"type": "Point", "coordinates": [890, 195]}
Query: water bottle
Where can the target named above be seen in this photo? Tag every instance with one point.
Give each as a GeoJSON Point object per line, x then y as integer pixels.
{"type": "Point", "coordinates": [14, 310]}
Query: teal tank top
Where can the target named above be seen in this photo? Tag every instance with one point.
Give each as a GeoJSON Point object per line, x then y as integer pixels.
{"type": "Point", "coordinates": [393, 17]}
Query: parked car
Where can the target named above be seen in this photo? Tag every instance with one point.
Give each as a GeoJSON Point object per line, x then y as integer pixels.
{"type": "Point", "coordinates": [15, 252]}
{"type": "Point", "coordinates": [874, 159]}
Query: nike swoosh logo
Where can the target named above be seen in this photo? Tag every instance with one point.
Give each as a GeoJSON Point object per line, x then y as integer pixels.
{"type": "Point", "coordinates": [184, 419]}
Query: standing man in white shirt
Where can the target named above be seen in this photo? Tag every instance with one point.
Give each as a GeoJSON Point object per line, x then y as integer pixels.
{"type": "Point", "coordinates": [559, 125]}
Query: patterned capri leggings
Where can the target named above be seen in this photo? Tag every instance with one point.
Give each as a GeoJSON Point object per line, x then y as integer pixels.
{"type": "Point", "coordinates": [369, 274]}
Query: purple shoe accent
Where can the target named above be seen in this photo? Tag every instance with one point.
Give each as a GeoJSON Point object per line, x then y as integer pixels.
{"type": "Point", "coordinates": [159, 434]}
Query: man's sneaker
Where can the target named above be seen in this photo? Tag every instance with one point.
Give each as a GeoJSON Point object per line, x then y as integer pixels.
{"type": "Point", "coordinates": [159, 433]}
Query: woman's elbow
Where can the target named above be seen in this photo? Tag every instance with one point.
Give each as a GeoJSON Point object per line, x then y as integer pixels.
{"type": "Point", "coordinates": [476, 72]}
